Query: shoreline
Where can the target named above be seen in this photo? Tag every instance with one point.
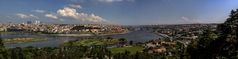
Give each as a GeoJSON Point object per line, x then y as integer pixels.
{"type": "Point", "coordinates": [22, 40]}
{"type": "Point", "coordinates": [114, 33]}
{"type": "Point", "coordinates": [162, 35]}
{"type": "Point", "coordinates": [86, 35]}
{"type": "Point", "coordinates": [75, 35]}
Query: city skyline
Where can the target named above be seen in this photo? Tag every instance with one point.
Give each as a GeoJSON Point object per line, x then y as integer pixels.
{"type": "Point", "coordinates": [126, 12]}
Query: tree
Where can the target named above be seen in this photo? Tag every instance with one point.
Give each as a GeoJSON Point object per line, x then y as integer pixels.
{"type": "Point", "coordinates": [1, 41]}
{"type": "Point", "coordinates": [224, 46]}
{"type": "Point", "coordinates": [122, 41]}
{"type": "Point", "coordinates": [2, 48]}
{"type": "Point", "coordinates": [109, 38]}
{"type": "Point", "coordinates": [131, 42]}
{"type": "Point", "coordinates": [200, 47]}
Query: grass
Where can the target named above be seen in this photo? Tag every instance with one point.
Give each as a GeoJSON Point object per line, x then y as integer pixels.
{"type": "Point", "coordinates": [131, 49]}
{"type": "Point", "coordinates": [90, 42]}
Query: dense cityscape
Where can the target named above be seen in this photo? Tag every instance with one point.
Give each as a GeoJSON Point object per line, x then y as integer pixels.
{"type": "Point", "coordinates": [62, 28]}
{"type": "Point", "coordinates": [172, 42]}
{"type": "Point", "coordinates": [118, 29]}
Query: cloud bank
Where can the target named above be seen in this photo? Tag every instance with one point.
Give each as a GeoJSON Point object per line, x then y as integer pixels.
{"type": "Point", "coordinates": [51, 16]}
{"type": "Point", "coordinates": [72, 13]}
{"type": "Point", "coordinates": [24, 16]}
{"type": "Point", "coordinates": [110, 0]}
{"type": "Point", "coordinates": [69, 13]}
{"type": "Point", "coordinates": [188, 20]}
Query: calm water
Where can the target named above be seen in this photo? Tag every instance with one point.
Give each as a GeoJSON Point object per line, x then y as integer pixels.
{"type": "Point", "coordinates": [137, 36]}
{"type": "Point", "coordinates": [56, 41]}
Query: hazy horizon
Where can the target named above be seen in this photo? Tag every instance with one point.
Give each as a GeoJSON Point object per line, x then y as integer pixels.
{"type": "Point", "coordinates": [124, 12]}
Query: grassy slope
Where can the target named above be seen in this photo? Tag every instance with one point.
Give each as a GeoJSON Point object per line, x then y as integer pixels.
{"type": "Point", "coordinates": [132, 49]}
{"type": "Point", "coordinates": [90, 42]}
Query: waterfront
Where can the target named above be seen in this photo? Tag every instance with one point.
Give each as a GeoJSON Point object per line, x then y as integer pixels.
{"type": "Point", "coordinates": [56, 41]}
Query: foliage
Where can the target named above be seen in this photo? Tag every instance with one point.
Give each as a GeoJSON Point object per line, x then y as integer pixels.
{"type": "Point", "coordinates": [222, 44]}
{"type": "Point", "coordinates": [132, 49]}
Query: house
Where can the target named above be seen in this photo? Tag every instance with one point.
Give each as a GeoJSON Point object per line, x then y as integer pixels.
{"type": "Point", "coordinates": [159, 50]}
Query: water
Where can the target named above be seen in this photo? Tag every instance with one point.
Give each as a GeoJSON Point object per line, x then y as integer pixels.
{"type": "Point", "coordinates": [137, 36]}
{"type": "Point", "coordinates": [56, 41]}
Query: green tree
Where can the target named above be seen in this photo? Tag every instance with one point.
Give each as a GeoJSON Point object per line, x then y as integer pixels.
{"type": "Point", "coordinates": [220, 45]}
{"type": "Point", "coordinates": [2, 48]}
{"type": "Point", "coordinates": [122, 41]}
{"type": "Point", "coordinates": [200, 48]}
{"type": "Point", "coordinates": [226, 44]}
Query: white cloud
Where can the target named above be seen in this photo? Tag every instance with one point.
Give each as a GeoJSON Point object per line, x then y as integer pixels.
{"type": "Point", "coordinates": [72, 13]}
{"type": "Point", "coordinates": [110, 0]}
{"type": "Point", "coordinates": [185, 18]}
{"type": "Point", "coordinates": [67, 12]}
{"type": "Point", "coordinates": [75, 6]}
{"type": "Point", "coordinates": [188, 20]}
{"type": "Point", "coordinates": [22, 15]}
{"type": "Point", "coordinates": [39, 11]}
{"type": "Point", "coordinates": [115, 0]}
{"type": "Point", "coordinates": [26, 16]}
{"type": "Point", "coordinates": [51, 16]}
{"type": "Point", "coordinates": [33, 16]}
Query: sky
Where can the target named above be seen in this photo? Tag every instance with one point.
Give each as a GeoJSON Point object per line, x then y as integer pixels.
{"type": "Point", "coordinates": [125, 12]}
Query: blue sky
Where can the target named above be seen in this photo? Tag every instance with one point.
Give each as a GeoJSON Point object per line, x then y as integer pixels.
{"type": "Point", "coordinates": [127, 12]}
